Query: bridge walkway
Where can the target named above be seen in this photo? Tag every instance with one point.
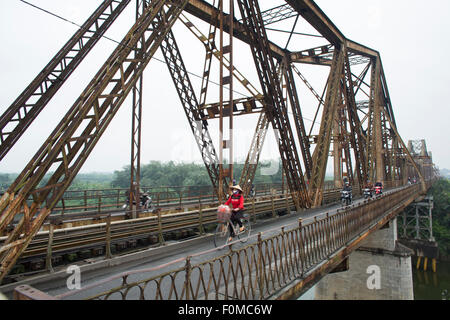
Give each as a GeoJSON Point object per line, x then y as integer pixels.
{"type": "Point", "coordinates": [162, 274]}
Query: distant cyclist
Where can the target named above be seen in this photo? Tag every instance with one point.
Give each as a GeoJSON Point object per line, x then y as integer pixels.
{"type": "Point", "coordinates": [237, 201]}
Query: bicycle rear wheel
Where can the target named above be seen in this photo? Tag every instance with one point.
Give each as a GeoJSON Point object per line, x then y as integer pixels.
{"type": "Point", "coordinates": [243, 236]}
{"type": "Point", "coordinates": [221, 234]}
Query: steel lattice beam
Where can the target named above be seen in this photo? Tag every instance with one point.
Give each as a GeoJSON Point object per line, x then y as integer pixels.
{"type": "Point", "coordinates": [275, 107]}
{"type": "Point", "coordinates": [320, 155]}
{"type": "Point", "coordinates": [278, 13]}
{"type": "Point", "coordinates": [357, 135]}
{"type": "Point", "coordinates": [19, 116]}
{"type": "Point", "coordinates": [136, 125]}
{"type": "Point", "coordinates": [298, 118]}
{"type": "Point", "coordinates": [208, 13]}
{"type": "Point", "coordinates": [77, 134]}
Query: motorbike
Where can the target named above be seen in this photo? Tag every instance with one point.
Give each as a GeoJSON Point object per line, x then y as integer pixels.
{"type": "Point", "coordinates": [378, 190]}
{"type": "Point", "coordinates": [367, 193]}
{"type": "Point", "coordinates": [145, 202]}
{"type": "Point", "coordinates": [346, 197]}
{"type": "Point", "coordinates": [252, 192]}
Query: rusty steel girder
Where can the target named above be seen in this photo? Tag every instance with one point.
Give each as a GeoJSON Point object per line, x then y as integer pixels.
{"type": "Point", "coordinates": [298, 118]}
{"type": "Point", "coordinates": [226, 94]}
{"type": "Point", "coordinates": [136, 125]}
{"type": "Point", "coordinates": [371, 139]}
{"type": "Point", "coordinates": [320, 155]}
{"type": "Point", "coordinates": [19, 116]}
{"type": "Point", "coordinates": [277, 14]}
{"type": "Point", "coordinates": [274, 104]}
{"type": "Point", "coordinates": [208, 13]}
{"type": "Point", "coordinates": [241, 106]}
{"type": "Point", "coordinates": [76, 135]}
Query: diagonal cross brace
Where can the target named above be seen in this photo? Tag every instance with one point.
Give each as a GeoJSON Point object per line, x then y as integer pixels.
{"type": "Point", "coordinates": [22, 112]}
{"type": "Point", "coordinates": [67, 148]}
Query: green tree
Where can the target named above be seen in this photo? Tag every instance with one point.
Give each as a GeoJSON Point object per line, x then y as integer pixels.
{"type": "Point", "coordinates": [441, 214]}
{"type": "Point", "coordinates": [157, 174]}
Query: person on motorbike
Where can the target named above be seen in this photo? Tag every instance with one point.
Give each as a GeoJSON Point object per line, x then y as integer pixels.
{"type": "Point", "coordinates": [348, 188]}
{"type": "Point", "coordinates": [237, 201]}
{"type": "Point", "coordinates": [378, 188]}
{"type": "Point", "coordinates": [145, 200]}
{"type": "Point", "coordinates": [369, 187]}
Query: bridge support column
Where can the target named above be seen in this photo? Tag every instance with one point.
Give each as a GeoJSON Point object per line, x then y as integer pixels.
{"type": "Point", "coordinates": [380, 269]}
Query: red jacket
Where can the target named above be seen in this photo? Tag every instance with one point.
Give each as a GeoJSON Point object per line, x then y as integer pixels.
{"type": "Point", "coordinates": [237, 201]}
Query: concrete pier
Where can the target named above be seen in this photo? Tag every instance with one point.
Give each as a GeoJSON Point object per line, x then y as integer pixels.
{"type": "Point", "coordinates": [380, 269]}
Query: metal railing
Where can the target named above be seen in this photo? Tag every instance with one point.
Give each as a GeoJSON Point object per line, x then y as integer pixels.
{"type": "Point", "coordinates": [102, 200]}
{"type": "Point", "coordinates": [263, 267]}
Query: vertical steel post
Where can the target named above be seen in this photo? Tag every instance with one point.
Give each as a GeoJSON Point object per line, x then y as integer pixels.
{"type": "Point", "coordinates": [136, 125]}
{"type": "Point", "coordinates": [226, 143]}
{"type": "Point", "coordinates": [160, 235]}
{"type": "Point", "coordinates": [288, 208]}
{"type": "Point", "coordinates": [273, 205]}
{"type": "Point", "coordinates": [260, 267]}
{"type": "Point", "coordinates": [377, 126]}
{"type": "Point", "coordinates": [337, 152]}
{"type": "Point", "coordinates": [320, 156]}
{"type": "Point", "coordinates": [187, 282]}
{"type": "Point", "coordinates": [253, 209]}
{"type": "Point", "coordinates": [108, 237]}
{"type": "Point", "coordinates": [48, 262]}
{"type": "Point", "coordinates": [200, 213]}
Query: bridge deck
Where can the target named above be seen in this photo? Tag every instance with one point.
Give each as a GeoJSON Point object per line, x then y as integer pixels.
{"type": "Point", "coordinates": [259, 269]}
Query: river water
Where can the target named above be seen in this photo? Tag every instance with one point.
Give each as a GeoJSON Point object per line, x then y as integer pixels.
{"type": "Point", "coordinates": [427, 284]}
{"type": "Point", "coordinates": [432, 286]}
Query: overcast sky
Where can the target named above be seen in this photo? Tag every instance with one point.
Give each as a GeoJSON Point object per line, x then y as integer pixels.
{"type": "Point", "coordinates": [411, 37]}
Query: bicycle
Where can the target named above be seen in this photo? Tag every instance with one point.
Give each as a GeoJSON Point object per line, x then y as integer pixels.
{"type": "Point", "coordinates": [222, 233]}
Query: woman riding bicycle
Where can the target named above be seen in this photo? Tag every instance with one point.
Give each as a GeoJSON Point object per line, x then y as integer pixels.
{"type": "Point", "coordinates": [237, 201]}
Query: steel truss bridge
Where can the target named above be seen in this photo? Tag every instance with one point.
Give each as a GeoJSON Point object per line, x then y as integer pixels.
{"type": "Point", "coordinates": [357, 125]}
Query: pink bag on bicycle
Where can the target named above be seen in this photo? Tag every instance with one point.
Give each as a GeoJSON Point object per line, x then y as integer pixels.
{"type": "Point", "coordinates": [223, 213]}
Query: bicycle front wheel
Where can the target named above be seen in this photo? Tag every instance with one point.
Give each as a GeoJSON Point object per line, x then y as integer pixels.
{"type": "Point", "coordinates": [221, 234]}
